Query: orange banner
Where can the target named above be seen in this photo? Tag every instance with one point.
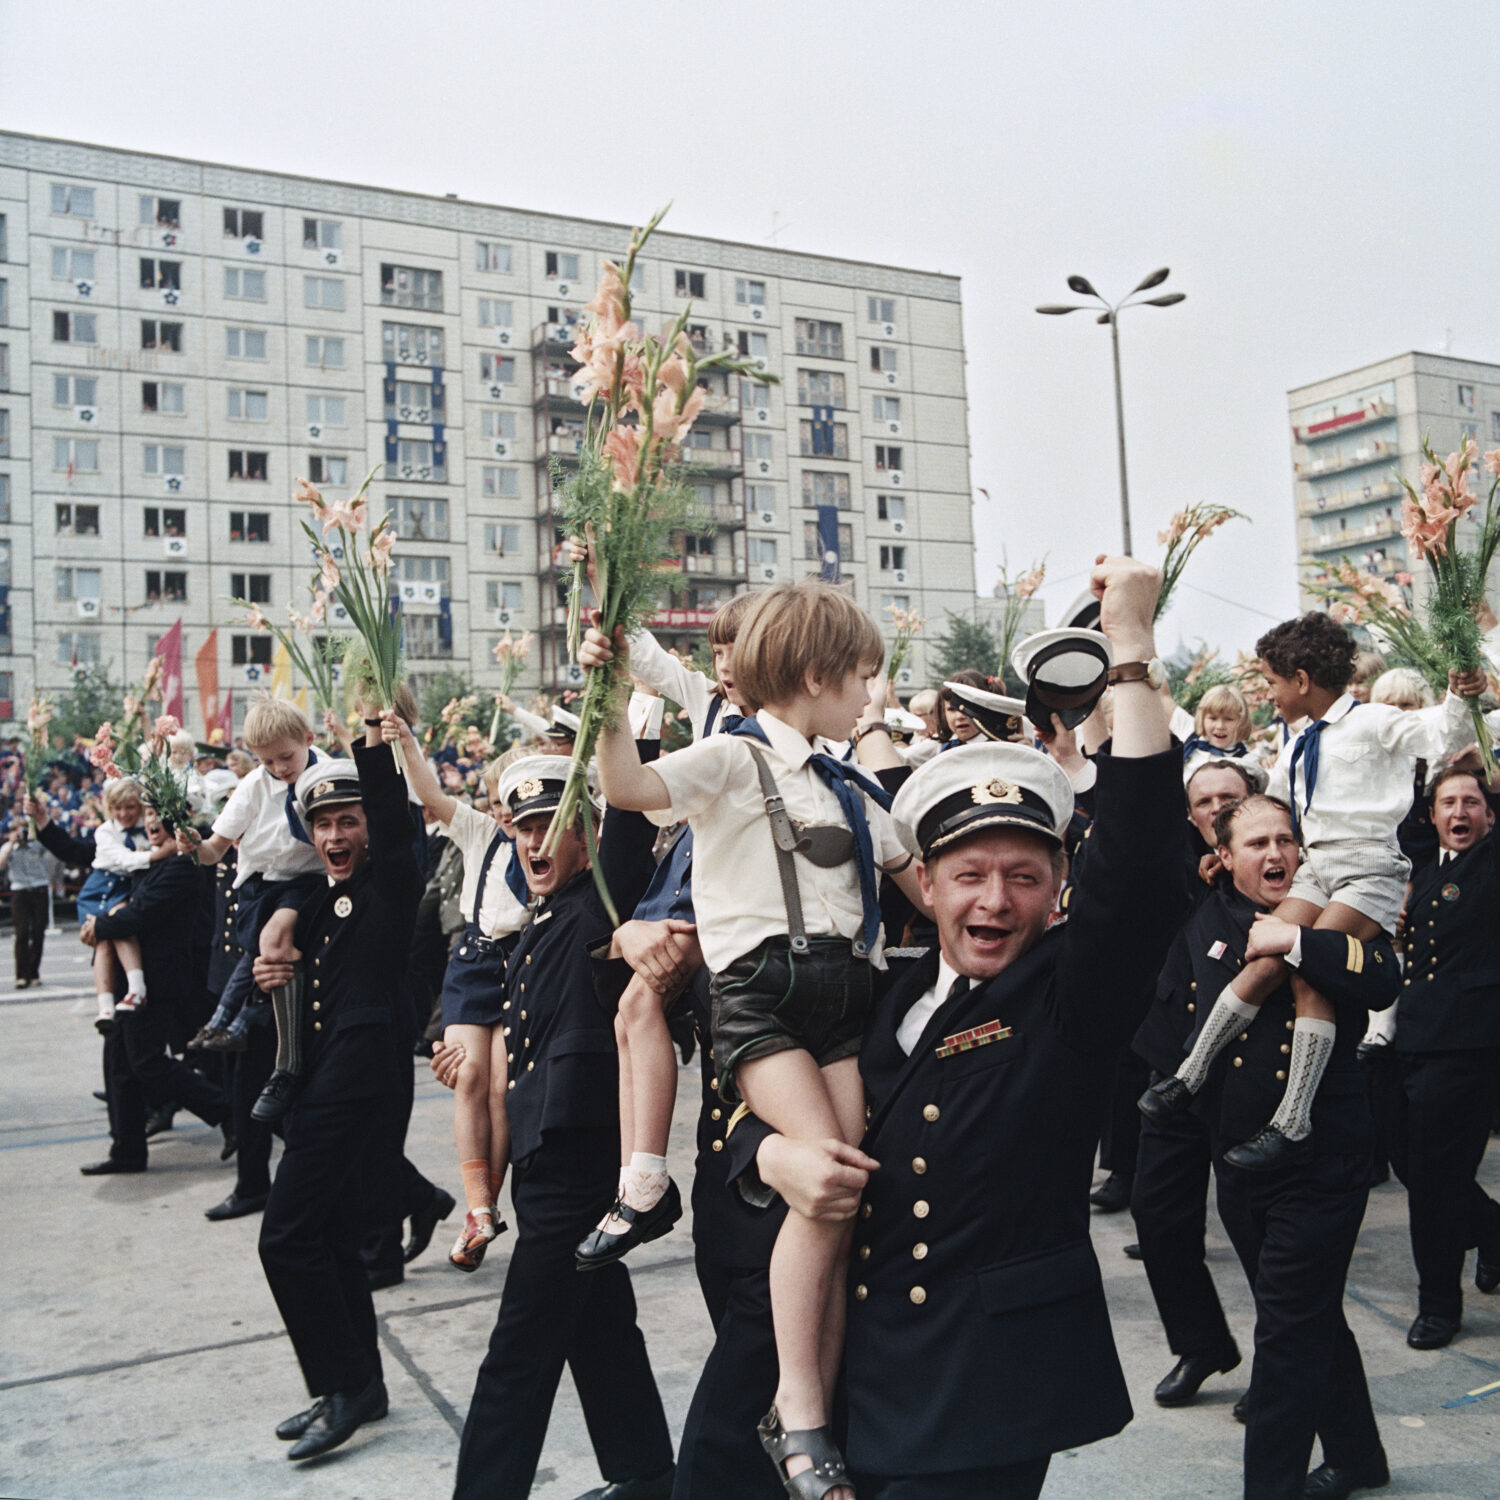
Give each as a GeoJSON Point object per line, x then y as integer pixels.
{"type": "Point", "coordinates": [206, 663]}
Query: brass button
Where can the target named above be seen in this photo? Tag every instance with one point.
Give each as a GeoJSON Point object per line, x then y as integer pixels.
{"type": "Point", "coordinates": [1239, 1062]}
{"type": "Point", "coordinates": [505, 1031]}
{"type": "Point", "coordinates": [1406, 981]}
{"type": "Point", "coordinates": [316, 983]}
{"type": "Point", "coordinates": [317, 1025]}
{"type": "Point", "coordinates": [317, 1005]}
{"type": "Point", "coordinates": [861, 1292]}
{"type": "Point", "coordinates": [528, 1041]}
{"type": "Point", "coordinates": [325, 939]}
{"type": "Point", "coordinates": [523, 989]}
{"type": "Point", "coordinates": [1244, 1036]}
{"type": "Point", "coordinates": [531, 1067]}
{"type": "Point", "coordinates": [1431, 977]}
{"type": "Point", "coordinates": [523, 1013]}
{"type": "Point", "coordinates": [1193, 985]}
{"type": "Point", "coordinates": [713, 1083]}
{"type": "Point", "coordinates": [511, 1084]}
{"type": "Point", "coordinates": [528, 958]}
{"type": "Point", "coordinates": [930, 1112]}
{"type": "Point", "coordinates": [866, 1211]}
{"type": "Point", "coordinates": [226, 947]}
{"type": "Point", "coordinates": [1286, 1047]}
{"type": "Point", "coordinates": [919, 1251]}
{"type": "Point", "coordinates": [918, 1294]}
{"type": "Point", "coordinates": [506, 1006]}
{"type": "Point", "coordinates": [511, 1057]}
{"type": "Point", "coordinates": [864, 1252]}
{"type": "Point", "coordinates": [918, 1165]}
{"type": "Point", "coordinates": [716, 1114]}
{"type": "Point", "coordinates": [1191, 1007]}
{"type": "Point", "coordinates": [1290, 1024]}
{"type": "Point", "coordinates": [1280, 1076]}
{"type": "Point", "coordinates": [718, 1145]}
{"type": "Point", "coordinates": [1431, 923]}
{"type": "Point", "coordinates": [921, 1208]}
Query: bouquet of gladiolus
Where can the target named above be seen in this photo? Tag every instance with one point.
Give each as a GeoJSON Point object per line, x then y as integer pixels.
{"type": "Point", "coordinates": [136, 708]}
{"type": "Point", "coordinates": [908, 624]}
{"type": "Point", "coordinates": [1429, 522]}
{"type": "Point", "coordinates": [38, 740]}
{"type": "Point", "coordinates": [372, 659]}
{"type": "Point", "coordinates": [1018, 592]}
{"type": "Point", "coordinates": [1380, 605]}
{"type": "Point", "coordinates": [1181, 538]}
{"type": "Point", "coordinates": [161, 790]}
{"type": "Point", "coordinates": [453, 718]}
{"type": "Point", "coordinates": [510, 653]}
{"type": "Point", "coordinates": [317, 659]}
{"type": "Point", "coordinates": [630, 492]}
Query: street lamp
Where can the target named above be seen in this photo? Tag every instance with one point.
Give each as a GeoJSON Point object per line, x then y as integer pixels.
{"type": "Point", "coordinates": [1111, 315]}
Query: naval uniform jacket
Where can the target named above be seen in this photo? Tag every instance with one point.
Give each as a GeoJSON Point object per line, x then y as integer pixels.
{"type": "Point", "coordinates": [355, 937]}
{"type": "Point", "coordinates": [1450, 997]}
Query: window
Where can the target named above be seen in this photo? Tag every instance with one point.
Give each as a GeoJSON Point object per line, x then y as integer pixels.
{"type": "Point", "coordinates": [78, 648]}
{"type": "Point", "coordinates": [1466, 397]}
{"type": "Point", "coordinates": [159, 335]}
{"type": "Point", "coordinates": [74, 328]}
{"type": "Point", "coordinates": [245, 284]}
{"type": "Point", "coordinates": [690, 283]}
{"type": "Point", "coordinates": [754, 394]}
{"type": "Point", "coordinates": [323, 291]}
{"type": "Point", "coordinates": [162, 396]}
{"type": "Point", "coordinates": [825, 489]}
{"type": "Point", "coordinates": [244, 464]}
{"type": "Point", "coordinates": [169, 586]}
{"type": "Point", "coordinates": [887, 457]}
{"type": "Point", "coordinates": [753, 345]}
{"type": "Point", "coordinates": [159, 521]}
{"type": "Point", "coordinates": [886, 408]}
{"type": "Point", "coordinates": [160, 273]}
{"type": "Point", "coordinates": [892, 558]}
{"type": "Point", "coordinates": [416, 461]}
{"type": "Point", "coordinates": [426, 637]}
{"type": "Point", "coordinates": [894, 601]}
{"type": "Point", "coordinates": [488, 256]}
{"type": "Point", "coordinates": [502, 540]}
{"type": "Point", "coordinates": [749, 293]}
{"type": "Point", "coordinates": [255, 588]}
{"type": "Point", "coordinates": [882, 357]}
{"type": "Point", "coordinates": [820, 388]}
{"type": "Point", "coordinates": [75, 390]}
{"type": "Point", "coordinates": [322, 234]}
{"type": "Point", "coordinates": [494, 313]}
{"type": "Point", "coordinates": [497, 369]}
{"type": "Point", "coordinates": [890, 507]}
{"type": "Point", "coordinates": [423, 570]}
{"type": "Point", "coordinates": [72, 265]}
{"type": "Point", "coordinates": [77, 583]}
{"type": "Point", "coordinates": [244, 224]}
{"type": "Point", "coordinates": [4, 497]}
{"type": "Point", "coordinates": [763, 551]}
{"type": "Point", "coordinates": [1495, 426]}
{"type": "Point", "coordinates": [250, 650]}
{"type": "Point", "coordinates": [760, 498]}
{"type": "Point", "coordinates": [4, 302]}
{"type": "Point", "coordinates": [326, 411]}
{"type": "Point", "coordinates": [409, 344]}
{"type": "Point", "coordinates": [502, 594]}
{"type": "Point", "coordinates": [245, 343]}
{"type": "Point", "coordinates": [248, 406]}
{"type": "Point", "coordinates": [824, 439]}
{"type": "Point", "coordinates": [497, 424]}
{"type": "Point", "coordinates": [4, 241]}
{"type": "Point", "coordinates": [158, 459]}
{"type": "Point", "coordinates": [4, 367]}
{"type": "Point", "coordinates": [881, 309]}
{"type": "Point", "coordinates": [421, 520]}
{"type": "Point", "coordinates": [325, 354]}
{"type": "Point", "coordinates": [812, 552]}
{"type": "Point", "coordinates": [249, 526]}
{"type": "Point", "coordinates": [504, 484]}
{"type": "Point", "coordinates": [757, 445]}
{"type": "Point", "coordinates": [327, 468]}
{"type": "Point", "coordinates": [699, 437]}
{"type": "Point", "coordinates": [410, 286]}
{"type": "Point", "coordinates": [75, 455]}
{"type": "Point", "coordinates": [561, 266]}
{"type": "Point", "coordinates": [826, 340]}
{"type": "Point", "coordinates": [75, 201]}
{"type": "Point", "coordinates": [165, 213]}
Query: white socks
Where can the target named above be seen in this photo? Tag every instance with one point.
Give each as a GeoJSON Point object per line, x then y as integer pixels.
{"type": "Point", "coordinates": [1312, 1046]}
{"type": "Point", "coordinates": [1230, 1016]}
{"type": "Point", "coordinates": [106, 1005]}
{"type": "Point", "coordinates": [644, 1180]}
{"type": "Point", "coordinates": [135, 982]}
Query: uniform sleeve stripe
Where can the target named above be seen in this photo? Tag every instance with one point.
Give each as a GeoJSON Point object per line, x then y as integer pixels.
{"type": "Point", "coordinates": [1356, 955]}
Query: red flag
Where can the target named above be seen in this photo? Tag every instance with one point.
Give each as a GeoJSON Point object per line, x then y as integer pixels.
{"type": "Point", "coordinates": [169, 648]}
{"type": "Point", "coordinates": [226, 718]}
{"type": "Point", "coordinates": [206, 665]}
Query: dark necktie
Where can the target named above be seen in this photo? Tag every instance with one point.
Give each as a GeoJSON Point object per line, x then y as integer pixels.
{"type": "Point", "coordinates": [1305, 754]}
{"type": "Point", "coordinates": [958, 988]}
{"type": "Point", "coordinates": [292, 820]}
{"type": "Point", "coordinates": [128, 834]}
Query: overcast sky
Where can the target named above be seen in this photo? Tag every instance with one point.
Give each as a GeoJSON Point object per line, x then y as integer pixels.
{"type": "Point", "coordinates": [1318, 177]}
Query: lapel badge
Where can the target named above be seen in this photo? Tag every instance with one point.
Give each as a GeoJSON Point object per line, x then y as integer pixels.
{"type": "Point", "coordinates": [978, 1036]}
{"type": "Point", "coordinates": [1450, 892]}
{"type": "Point", "coordinates": [342, 907]}
{"type": "Point", "coordinates": [531, 787]}
{"type": "Point", "coordinates": [995, 790]}
{"type": "Point", "coordinates": [1218, 950]}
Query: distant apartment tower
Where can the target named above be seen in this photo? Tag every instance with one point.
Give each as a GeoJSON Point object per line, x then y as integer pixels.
{"type": "Point", "coordinates": [1350, 436]}
{"type": "Point", "coordinates": [180, 340]}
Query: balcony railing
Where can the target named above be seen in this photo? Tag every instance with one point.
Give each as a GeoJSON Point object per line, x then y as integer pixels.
{"type": "Point", "coordinates": [1378, 410]}
{"type": "Point", "coordinates": [719, 513]}
{"type": "Point", "coordinates": [1341, 540]}
{"type": "Point", "coordinates": [1369, 494]}
{"type": "Point", "coordinates": [1377, 452]}
{"type": "Point", "coordinates": [713, 567]}
{"type": "Point", "coordinates": [555, 338]}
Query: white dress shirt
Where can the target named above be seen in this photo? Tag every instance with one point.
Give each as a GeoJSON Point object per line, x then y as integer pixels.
{"type": "Point", "coordinates": [737, 898]}
{"type": "Point", "coordinates": [674, 679]}
{"type": "Point", "coordinates": [914, 1022]}
{"type": "Point", "coordinates": [255, 815]}
{"type": "Point", "coordinates": [113, 854]}
{"type": "Point", "coordinates": [473, 831]}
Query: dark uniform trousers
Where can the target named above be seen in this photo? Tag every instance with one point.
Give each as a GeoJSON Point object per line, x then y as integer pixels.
{"type": "Point", "coordinates": [1013, 1482]}
{"type": "Point", "coordinates": [1443, 1108]}
{"type": "Point", "coordinates": [248, 1073]}
{"type": "Point", "coordinates": [551, 1313]}
{"type": "Point", "coordinates": [1294, 1232]}
{"type": "Point", "coordinates": [141, 1075]}
{"type": "Point", "coordinates": [28, 911]}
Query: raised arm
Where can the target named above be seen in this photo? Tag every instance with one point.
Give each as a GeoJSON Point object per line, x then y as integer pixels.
{"type": "Point", "coordinates": [626, 783]}
{"type": "Point", "coordinates": [395, 730]}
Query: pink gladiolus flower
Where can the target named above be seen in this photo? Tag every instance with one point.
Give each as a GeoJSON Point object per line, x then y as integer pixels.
{"type": "Point", "coordinates": [379, 555]}
{"type": "Point", "coordinates": [257, 620]}
{"type": "Point", "coordinates": [608, 305]}
{"type": "Point", "coordinates": [622, 447]}
{"type": "Point", "coordinates": [319, 606]}
{"type": "Point", "coordinates": [309, 494]}
{"type": "Point", "coordinates": [112, 772]}
{"type": "Point", "coordinates": [166, 726]}
{"type": "Point", "coordinates": [342, 513]}
{"type": "Point", "coordinates": [673, 373]}
{"type": "Point", "coordinates": [1028, 583]}
{"type": "Point", "coordinates": [1404, 579]}
{"type": "Point", "coordinates": [329, 573]}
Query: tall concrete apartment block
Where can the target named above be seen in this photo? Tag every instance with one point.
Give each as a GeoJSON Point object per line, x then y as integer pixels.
{"type": "Point", "coordinates": [1351, 433]}
{"type": "Point", "coordinates": [180, 340]}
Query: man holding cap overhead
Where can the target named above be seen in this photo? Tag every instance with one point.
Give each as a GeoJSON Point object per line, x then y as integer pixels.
{"type": "Point", "coordinates": [978, 1340]}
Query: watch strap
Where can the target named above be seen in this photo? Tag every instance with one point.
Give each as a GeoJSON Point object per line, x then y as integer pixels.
{"type": "Point", "coordinates": [1129, 671]}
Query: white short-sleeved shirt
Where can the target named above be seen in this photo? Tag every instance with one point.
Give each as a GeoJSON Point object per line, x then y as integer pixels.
{"type": "Point", "coordinates": [473, 831]}
{"type": "Point", "coordinates": [255, 815]}
{"type": "Point", "coordinates": [674, 679]}
{"type": "Point", "coordinates": [113, 854]}
{"type": "Point", "coordinates": [737, 900]}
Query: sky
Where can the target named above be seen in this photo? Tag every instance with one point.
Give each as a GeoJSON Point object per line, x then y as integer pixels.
{"type": "Point", "coordinates": [1313, 175]}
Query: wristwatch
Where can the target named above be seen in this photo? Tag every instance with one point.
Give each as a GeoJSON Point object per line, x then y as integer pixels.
{"type": "Point", "coordinates": [1138, 671]}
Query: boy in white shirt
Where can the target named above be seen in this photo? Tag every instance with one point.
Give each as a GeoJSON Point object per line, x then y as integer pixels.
{"type": "Point", "coordinates": [1348, 780]}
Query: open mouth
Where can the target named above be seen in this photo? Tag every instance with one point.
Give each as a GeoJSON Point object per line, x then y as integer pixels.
{"type": "Point", "coordinates": [1275, 875]}
{"type": "Point", "coordinates": [1458, 831]}
{"type": "Point", "coordinates": [988, 939]}
{"type": "Point", "coordinates": [539, 867]}
{"type": "Point", "coordinates": [339, 860]}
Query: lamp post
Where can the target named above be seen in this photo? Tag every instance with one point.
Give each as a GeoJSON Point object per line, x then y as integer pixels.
{"type": "Point", "coordinates": [1111, 315]}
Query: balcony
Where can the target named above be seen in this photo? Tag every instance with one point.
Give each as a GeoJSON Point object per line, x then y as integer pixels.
{"type": "Point", "coordinates": [553, 338]}
{"type": "Point", "coordinates": [556, 392]}
{"type": "Point", "coordinates": [1369, 494]}
{"type": "Point", "coordinates": [565, 444]}
{"type": "Point", "coordinates": [729, 514]}
{"type": "Point", "coordinates": [1379, 451]}
{"type": "Point", "coordinates": [1341, 541]}
{"type": "Point", "coordinates": [720, 409]}
{"type": "Point", "coordinates": [714, 463]}
{"type": "Point", "coordinates": [1372, 411]}
{"type": "Point", "coordinates": [714, 567]}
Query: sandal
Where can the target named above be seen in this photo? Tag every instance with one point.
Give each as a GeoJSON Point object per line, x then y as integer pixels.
{"type": "Point", "coordinates": [481, 1225]}
{"type": "Point", "coordinates": [816, 1443]}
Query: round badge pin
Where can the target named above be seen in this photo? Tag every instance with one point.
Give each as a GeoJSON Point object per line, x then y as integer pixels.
{"type": "Point", "coordinates": [342, 907]}
{"type": "Point", "coordinates": [1450, 892]}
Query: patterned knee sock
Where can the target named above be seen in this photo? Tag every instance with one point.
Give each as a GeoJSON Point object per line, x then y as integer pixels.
{"type": "Point", "coordinates": [1230, 1016]}
{"type": "Point", "coordinates": [645, 1180]}
{"type": "Point", "coordinates": [1312, 1046]}
{"type": "Point", "coordinates": [286, 1008]}
{"type": "Point", "coordinates": [476, 1176]}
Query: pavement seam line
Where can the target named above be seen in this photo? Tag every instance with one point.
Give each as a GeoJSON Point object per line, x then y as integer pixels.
{"type": "Point", "coordinates": [81, 1371]}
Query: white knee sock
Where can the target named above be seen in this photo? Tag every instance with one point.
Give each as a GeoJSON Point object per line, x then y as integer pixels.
{"type": "Point", "coordinates": [1312, 1046]}
{"type": "Point", "coordinates": [1230, 1016]}
{"type": "Point", "coordinates": [645, 1180]}
{"type": "Point", "coordinates": [135, 982]}
{"type": "Point", "coordinates": [106, 1005]}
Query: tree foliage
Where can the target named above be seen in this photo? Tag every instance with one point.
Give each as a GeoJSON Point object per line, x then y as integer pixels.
{"type": "Point", "coordinates": [966, 645]}
{"type": "Point", "coordinates": [92, 700]}
{"type": "Point", "coordinates": [442, 688]}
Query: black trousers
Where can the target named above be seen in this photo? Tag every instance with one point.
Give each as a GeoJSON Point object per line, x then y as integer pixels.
{"type": "Point", "coordinates": [550, 1312]}
{"type": "Point", "coordinates": [1441, 1129]}
{"type": "Point", "coordinates": [398, 1189]}
{"type": "Point", "coordinates": [28, 910]}
{"type": "Point", "coordinates": [309, 1242]}
{"type": "Point", "coordinates": [141, 1075]}
{"type": "Point", "coordinates": [1294, 1232]}
{"type": "Point", "coordinates": [1012, 1482]}
{"type": "Point", "coordinates": [1170, 1205]}
{"type": "Point", "coordinates": [249, 1071]}
{"type": "Point", "coordinates": [720, 1457]}
{"type": "Point", "coordinates": [1122, 1121]}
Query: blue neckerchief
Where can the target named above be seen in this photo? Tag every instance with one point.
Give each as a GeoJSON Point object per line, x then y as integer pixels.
{"type": "Point", "coordinates": [1194, 744]}
{"type": "Point", "coordinates": [842, 780]}
{"type": "Point", "coordinates": [515, 877]}
{"type": "Point", "coordinates": [292, 820]}
{"type": "Point", "coordinates": [1305, 752]}
{"type": "Point", "coordinates": [731, 720]}
{"type": "Point", "coordinates": [950, 745]}
{"type": "Point", "coordinates": [128, 834]}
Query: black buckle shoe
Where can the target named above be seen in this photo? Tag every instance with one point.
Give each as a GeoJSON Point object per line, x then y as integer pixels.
{"type": "Point", "coordinates": [1338, 1482]}
{"type": "Point", "coordinates": [643, 1225]}
{"type": "Point", "coordinates": [1180, 1385]}
{"type": "Point", "coordinates": [1269, 1150]}
{"type": "Point", "coordinates": [1432, 1331]}
{"type": "Point", "coordinates": [276, 1098]}
{"type": "Point", "coordinates": [338, 1417]}
{"type": "Point", "coordinates": [1165, 1100]}
{"type": "Point", "coordinates": [424, 1222]}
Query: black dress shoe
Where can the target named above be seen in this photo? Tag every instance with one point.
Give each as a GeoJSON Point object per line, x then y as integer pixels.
{"type": "Point", "coordinates": [424, 1221]}
{"type": "Point", "coordinates": [101, 1096]}
{"type": "Point", "coordinates": [276, 1098]}
{"type": "Point", "coordinates": [1133, 1252]}
{"type": "Point", "coordinates": [1337, 1482]}
{"type": "Point", "coordinates": [657, 1487]}
{"type": "Point", "coordinates": [643, 1226]}
{"type": "Point", "coordinates": [1180, 1384]}
{"type": "Point", "coordinates": [1486, 1274]}
{"type": "Point", "coordinates": [1432, 1331]}
{"type": "Point", "coordinates": [1237, 1411]}
{"type": "Point", "coordinates": [293, 1428]}
{"type": "Point", "coordinates": [109, 1166]}
{"type": "Point", "coordinates": [1165, 1100]}
{"type": "Point", "coordinates": [161, 1121]}
{"type": "Point", "coordinates": [1269, 1150]}
{"type": "Point", "coordinates": [231, 1141]}
{"type": "Point", "coordinates": [235, 1207]}
{"type": "Point", "coordinates": [339, 1416]}
{"type": "Point", "coordinates": [384, 1276]}
{"type": "Point", "coordinates": [1113, 1193]}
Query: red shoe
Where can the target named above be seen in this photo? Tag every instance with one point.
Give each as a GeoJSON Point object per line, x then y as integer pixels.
{"type": "Point", "coordinates": [481, 1225]}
